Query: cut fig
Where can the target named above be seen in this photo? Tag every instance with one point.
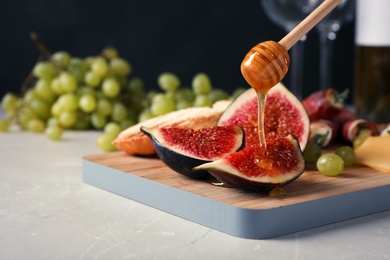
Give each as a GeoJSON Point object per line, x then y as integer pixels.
{"type": "Point", "coordinates": [284, 115]}
{"type": "Point", "coordinates": [241, 169]}
{"type": "Point", "coordinates": [182, 149]}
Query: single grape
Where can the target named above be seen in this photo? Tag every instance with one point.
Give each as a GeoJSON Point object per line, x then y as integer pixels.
{"type": "Point", "coordinates": [8, 102]}
{"type": "Point", "coordinates": [87, 103]}
{"type": "Point", "coordinates": [78, 68]}
{"type": "Point", "coordinates": [162, 104]}
{"type": "Point", "coordinates": [185, 93]}
{"type": "Point", "coordinates": [44, 70]}
{"type": "Point", "coordinates": [112, 128]}
{"type": "Point", "coordinates": [41, 108]}
{"type": "Point", "coordinates": [201, 84]}
{"type": "Point", "coordinates": [67, 119]}
{"type": "Point", "coordinates": [104, 107]}
{"type": "Point", "coordinates": [56, 86]}
{"type": "Point", "coordinates": [120, 67]}
{"type": "Point", "coordinates": [330, 164]}
{"type": "Point", "coordinates": [312, 152]}
{"type": "Point", "coordinates": [202, 101]}
{"type": "Point", "coordinates": [25, 115]}
{"type": "Point", "coordinates": [61, 59]}
{"type": "Point", "coordinates": [54, 132]}
{"type": "Point", "coordinates": [99, 67]}
{"type": "Point", "coordinates": [104, 142]}
{"type": "Point", "coordinates": [68, 82]}
{"type": "Point", "coordinates": [4, 125]}
{"type": "Point", "coordinates": [217, 94]}
{"type": "Point", "coordinates": [145, 115]}
{"type": "Point", "coordinates": [135, 87]}
{"type": "Point", "coordinates": [52, 121]}
{"type": "Point", "coordinates": [29, 96]}
{"type": "Point", "coordinates": [346, 153]}
{"type": "Point", "coordinates": [91, 79]}
{"type": "Point", "coordinates": [44, 91]}
{"type": "Point", "coordinates": [359, 140]}
{"type": "Point", "coordinates": [168, 81]}
{"type": "Point", "coordinates": [69, 102]}
{"type": "Point", "coordinates": [36, 125]}
{"type": "Point", "coordinates": [98, 121]}
{"type": "Point", "coordinates": [110, 87]}
{"type": "Point", "coordinates": [119, 112]}
{"type": "Point", "coordinates": [110, 53]}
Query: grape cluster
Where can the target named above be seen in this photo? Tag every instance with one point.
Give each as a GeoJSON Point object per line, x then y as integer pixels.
{"type": "Point", "coordinates": [98, 93]}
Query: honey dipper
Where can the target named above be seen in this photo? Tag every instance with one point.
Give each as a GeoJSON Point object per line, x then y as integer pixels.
{"type": "Point", "coordinates": [267, 63]}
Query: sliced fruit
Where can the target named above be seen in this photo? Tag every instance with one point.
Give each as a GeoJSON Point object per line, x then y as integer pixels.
{"type": "Point", "coordinates": [284, 115]}
{"type": "Point", "coordinates": [241, 169]}
{"type": "Point", "coordinates": [181, 149]}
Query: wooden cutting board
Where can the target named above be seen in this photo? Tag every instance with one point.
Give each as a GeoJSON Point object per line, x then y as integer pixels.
{"type": "Point", "coordinates": [311, 201]}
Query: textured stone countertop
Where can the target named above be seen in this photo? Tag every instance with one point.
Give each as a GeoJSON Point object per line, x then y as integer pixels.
{"type": "Point", "coordinates": [47, 212]}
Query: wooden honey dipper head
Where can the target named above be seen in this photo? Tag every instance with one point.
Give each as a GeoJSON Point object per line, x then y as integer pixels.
{"type": "Point", "coordinates": [265, 65]}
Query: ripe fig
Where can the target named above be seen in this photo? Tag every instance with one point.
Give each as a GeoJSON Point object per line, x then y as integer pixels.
{"type": "Point", "coordinates": [284, 115]}
{"type": "Point", "coordinates": [182, 149]}
{"type": "Point", "coordinates": [285, 163]}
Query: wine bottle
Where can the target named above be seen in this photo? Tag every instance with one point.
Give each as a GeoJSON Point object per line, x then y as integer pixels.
{"type": "Point", "coordinates": [372, 60]}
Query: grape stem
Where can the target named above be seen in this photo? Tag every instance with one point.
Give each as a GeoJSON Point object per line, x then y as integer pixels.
{"type": "Point", "coordinates": [41, 47]}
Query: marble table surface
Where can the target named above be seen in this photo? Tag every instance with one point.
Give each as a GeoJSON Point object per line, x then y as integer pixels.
{"type": "Point", "coordinates": [47, 212]}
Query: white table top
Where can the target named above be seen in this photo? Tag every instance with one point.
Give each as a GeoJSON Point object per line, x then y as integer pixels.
{"type": "Point", "coordinates": [47, 212]}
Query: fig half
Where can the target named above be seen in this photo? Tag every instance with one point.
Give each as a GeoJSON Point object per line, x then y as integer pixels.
{"type": "Point", "coordinates": [241, 169]}
{"type": "Point", "coordinates": [284, 114]}
{"type": "Point", "coordinates": [182, 149]}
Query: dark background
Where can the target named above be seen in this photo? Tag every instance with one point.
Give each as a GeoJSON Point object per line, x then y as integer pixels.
{"type": "Point", "coordinates": [184, 37]}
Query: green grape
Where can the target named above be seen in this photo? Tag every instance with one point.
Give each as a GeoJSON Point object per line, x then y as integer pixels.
{"type": "Point", "coordinates": [359, 140]}
{"type": "Point", "coordinates": [87, 103]}
{"type": "Point", "coordinates": [347, 154]}
{"type": "Point", "coordinates": [120, 67]}
{"type": "Point", "coordinates": [236, 93]}
{"type": "Point", "coordinates": [104, 107]}
{"type": "Point", "coordinates": [69, 102]}
{"type": "Point", "coordinates": [25, 115]}
{"type": "Point", "coordinates": [83, 121]}
{"type": "Point", "coordinates": [41, 108]}
{"type": "Point", "coordinates": [56, 109]}
{"type": "Point", "coordinates": [217, 94]}
{"type": "Point", "coordinates": [110, 53]}
{"type": "Point", "coordinates": [91, 79]}
{"type": "Point", "coordinates": [119, 112]}
{"type": "Point", "coordinates": [201, 84]}
{"type": "Point", "coordinates": [98, 121]}
{"type": "Point", "coordinates": [36, 125]}
{"type": "Point", "coordinates": [181, 104]}
{"type": "Point", "coordinates": [44, 70]}
{"type": "Point", "coordinates": [30, 95]}
{"type": "Point", "coordinates": [104, 142]}
{"type": "Point", "coordinates": [124, 124]}
{"type": "Point", "coordinates": [168, 81]}
{"type": "Point", "coordinates": [202, 101]}
{"type": "Point", "coordinates": [162, 104]}
{"type": "Point", "coordinates": [68, 82]}
{"type": "Point", "coordinates": [110, 87]}
{"type": "Point", "coordinates": [185, 93]}
{"type": "Point", "coordinates": [52, 121]}
{"type": "Point", "coordinates": [54, 132]}
{"type": "Point", "coordinates": [4, 125]}
{"type": "Point", "coordinates": [56, 86]}
{"type": "Point", "coordinates": [312, 152]}
{"type": "Point", "coordinates": [44, 91]}
{"type": "Point", "coordinates": [8, 102]}
{"type": "Point", "coordinates": [78, 68]}
{"type": "Point", "coordinates": [67, 119]}
{"type": "Point", "coordinates": [112, 128]}
{"type": "Point", "coordinates": [85, 90]}
{"type": "Point", "coordinates": [135, 87]}
{"type": "Point", "coordinates": [145, 115]}
{"type": "Point", "coordinates": [61, 59]}
{"type": "Point", "coordinates": [99, 67]}
{"type": "Point", "coordinates": [330, 164]}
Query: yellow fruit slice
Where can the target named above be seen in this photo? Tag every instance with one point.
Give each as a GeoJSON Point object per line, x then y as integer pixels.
{"type": "Point", "coordinates": [375, 153]}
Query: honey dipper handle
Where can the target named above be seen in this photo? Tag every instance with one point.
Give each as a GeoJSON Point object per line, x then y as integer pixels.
{"type": "Point", "coordinates": [308, 23]}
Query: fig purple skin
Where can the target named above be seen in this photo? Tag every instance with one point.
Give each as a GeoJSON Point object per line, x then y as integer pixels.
{"type": "Point", "coordinates": [182, 163]}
